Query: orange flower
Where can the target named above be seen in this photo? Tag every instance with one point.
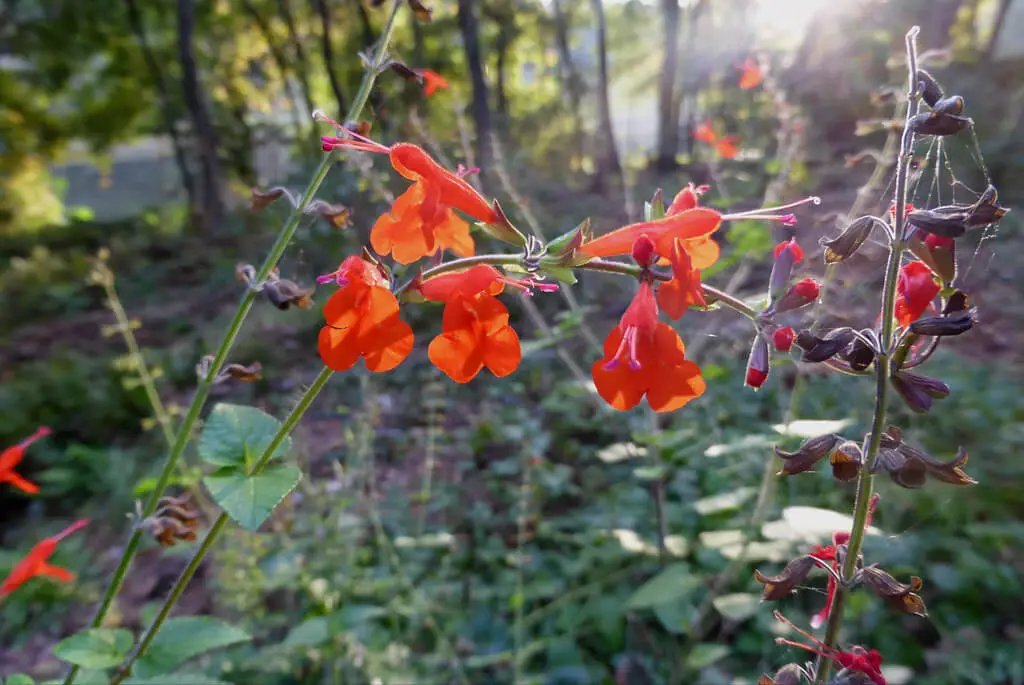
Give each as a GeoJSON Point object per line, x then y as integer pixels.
{"type": "Point", "coordinates": [645, 357]}
{"type": "Point", "coordinates": [34, 564]}
{"type": "Point", "coordinates": [475, 334]}
{"type": "Point", "coordinates": [432, 81]}
{"type": "Point", "coordinates": [482, 278]}
{"type": "Point", "coordinates": [362, 321]}
{"type": "Point", "coordinates": [752, 74]}
{"type": "Point", "coordinates": [12, 456]}
{"type": "Point", "coordinates": [421, 221]}
{"type": "Point", "coordinates": [726, 147]}
{"type": "Point", "coordinates": [705, 133]}
{"type": "Point", "coordinates": [687, 198]}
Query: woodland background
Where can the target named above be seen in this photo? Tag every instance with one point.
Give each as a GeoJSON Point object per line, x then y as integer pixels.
{"type": "Point", "coordinates": [504, 531]}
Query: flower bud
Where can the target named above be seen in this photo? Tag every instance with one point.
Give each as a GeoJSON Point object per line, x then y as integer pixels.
{"type": "Point", "coordinates": [931, 91]}
{"type": "Point", "coordinates": [945, 224]}
{"type": "Point", "coordinates": [240, 372]}
{"type": "Point", "coordinates": [946, 471]}
{"type": "Point", "coordinates": [848, 241]}
{"type": "Point", "coordinates": [643, 251]}
{"type": "Point", "coordinates": [783, 338]}
{"type": "Point", "coordinates": [758, 363]}
{"type": "Point", "coordinates": [937, 124]}
{"type": "Point", "coordinates": [901, 597]}
{"type": "Point", "coordinates": [809, 454]}
{"type": "Point", "coordinates": [918, 391]}
{"type": "Point", "coordinates": [790, 674]}
{"type": "Point", "coordinates": [818, 349]}
{"type": "Point", "coordinates": [786, 256]}
{"type": "Point", "coordinates": [338, 215]}
{"type": "Point", "coordinates": [802, 293]}
{"type": "Point", "coordinates": [262, 198]}
{"type": "Point", "coordinates": [781, 586]}
{"type": "Point", "coordinates": [283, 294]}
{"type": "Point", "coordinates": [987, 210]}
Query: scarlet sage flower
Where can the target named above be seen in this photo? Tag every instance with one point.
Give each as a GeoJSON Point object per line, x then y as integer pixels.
{"type": "Point", "coordinates": [859, 660]}
{"type": "Point", "coordinates": [915, 290]}
{"type": "Point", "coordinates": [752, 74]}
{"type": "Point", "coordinates": [475, 330]}
{"type": "Point", "coordinates": [432, 81]}
{"type": "Point", "coordinates": [421, 221]}
{"type": "Point", "coordinates": [726, 147]}
{"type": "Point", "coordinates": [475, 334]}
{"type": "Point", "coordinates": [827, 555]}
{"type": "Point", "coordinates": [34, 564]}
{"type": "Point", "coordinates": [13, 455]}
{"type": "Point", "coordinates": [362, 321]}
{"type": "Point", "coordinates": [705, 133]}
{"type": "Point", "coordinates": [645, 357]}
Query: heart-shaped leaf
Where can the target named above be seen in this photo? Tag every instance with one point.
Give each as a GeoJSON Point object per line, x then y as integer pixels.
{"type": "Point", "coordinates": [250, 499]}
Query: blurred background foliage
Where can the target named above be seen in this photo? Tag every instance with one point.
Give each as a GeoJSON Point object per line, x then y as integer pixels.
{"type": "Point", "coordinates": [511, 531]}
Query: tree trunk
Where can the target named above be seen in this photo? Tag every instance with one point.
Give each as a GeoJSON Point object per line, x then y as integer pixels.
{"type": "Point", "coordinates": [320, 7]}
{"type": "Point", "coordinates": [211, 195]}
{"type": "Point", "coordinates": [369, 36]}
{"type": "Point", "coordinates": [570, 76]}
{"type": "Point", "coordinates": [668, 108]}
{"type": "Point", "coordinates": [607, 153]}
{"type": "Point", "coordinates": [506, 34]}
{"type": "Point", "coordinates": [1004, 8]}
{"type": "Point", "coordinates": [687, 81]}
{"type": "Point", "coordinates": [302, 61]}
{"type": "Point", "coordinates": [167, 106]}
{"type": "Point", "coordinates": [481, 110]}
{"type": "Point", "coordinates": [280, 61]}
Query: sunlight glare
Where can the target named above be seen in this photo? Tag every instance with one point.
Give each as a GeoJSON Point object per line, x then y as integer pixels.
{"type": "Point", "coordinates": [783, 23]}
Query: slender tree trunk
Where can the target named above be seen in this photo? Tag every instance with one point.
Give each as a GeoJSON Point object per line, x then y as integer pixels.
{"type": "Point", "coordinates": [212, 188]}
{"type": "Point", "coordinates": [570, 75]}
{"type": "Point", "coordinates": [302, 61]}
{"type": "Point", "coordinates": [607, 153]}
{"type": "Point", "coordinates": [997, 27]}
{"type": "Point", "coordinates": [167, 105]}
{"type": "Point", "coordinates": [369, 35]}
{"type": "Point", "coordinates": [668, 111]}
{"type": "Point", "coordinates": [280, 62]}
{"type": "Point", "coordinates": [684, 78]}
{"type": "Point", "coordinates": [481, 110]}
{"type": "Point", "coordinates": [326, 49]}
{"type": "Point", "coordinates": [506, 35]}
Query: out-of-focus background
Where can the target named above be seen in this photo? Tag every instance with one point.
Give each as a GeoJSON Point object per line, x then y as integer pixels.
{"type": "Point", "coordinates": [514, 530]}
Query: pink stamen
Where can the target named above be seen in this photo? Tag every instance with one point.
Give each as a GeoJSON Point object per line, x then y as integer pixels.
{"type": "Point", "coordinates": [40, 433]}
{"type": "Point", "coordinates": [627, 349]}
{"type": "Point", "coordinates": [333, 276]}
{"type": "Point", "coordinates": [77, 525]}
{"type": "Point", "coordinates": [462, 171]}
{"type": "Point", "coordinates": [771, 213]}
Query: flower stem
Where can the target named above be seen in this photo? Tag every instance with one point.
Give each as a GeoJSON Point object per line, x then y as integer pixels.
{"type": "Point", "coordinates": [220, 356]}
{"type": "Point", "coordinates": [883, 364]}
{"type": "Point", "coordinates": [282, 434]}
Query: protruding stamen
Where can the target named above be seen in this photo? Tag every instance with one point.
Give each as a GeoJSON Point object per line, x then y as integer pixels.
{"type": "Point", "coordinates": [772, 213]}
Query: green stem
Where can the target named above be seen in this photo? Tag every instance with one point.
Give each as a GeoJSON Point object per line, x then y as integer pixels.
{"type": "Point", "coordinates": [282, 434]}
{"type": "Point", "coordinates": [883, 364]}
{"type": "Point", "coordinates": [220, 356]}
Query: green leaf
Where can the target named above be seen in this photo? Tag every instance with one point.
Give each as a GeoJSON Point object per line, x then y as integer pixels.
{"type": "Point", "coordinates": [95, 648]}
{"type": "Point", "coordinates": [310, 633]}
{"type": "Point", "coordinates": [182, 638]}
{"type": "Point", "coordinates": [250, 499]}
{"type": "Point", "coordinates": [176, 679]}
{"type": "Point", "coordinates": [19, 679]}
{"type": "Point", "coordinates": [236, 436]}
{"type": "Point", "coordinates": [674, 582]}
{"type": "Point", "coordinates": [738, 606]}
{"type": "Point", "coordinates": [705, 654]}
{"type": "Point", "coordinates": [562, 274]}
{"type": "Point", "coordinates": [727, 501]}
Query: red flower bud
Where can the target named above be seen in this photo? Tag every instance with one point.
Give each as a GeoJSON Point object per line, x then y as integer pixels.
{"type": "Point", "coordinates": [783, 338]}
{"type": "Point", "coordinates": [758, 363]}
{"type": "Point", "coordinates": [643, 251]}
{"type": "Point", "coordinates": [792, 247]}
{"type": "Point", "coordinates": [801, 294]}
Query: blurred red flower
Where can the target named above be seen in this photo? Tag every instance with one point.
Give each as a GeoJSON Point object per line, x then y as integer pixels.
{"type": "Point", "coordinates": [34, 564]}
{"type": "Point", "coordinates": [13, 455]}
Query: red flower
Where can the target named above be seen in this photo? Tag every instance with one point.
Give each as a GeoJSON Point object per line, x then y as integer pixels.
{"type": "Point", "coordinates": [792, 247]}
{"type": "Point", "coordinates": [475, 334]}
{"type": "Point", "coordinates": [783, 338]}
{"type": "Point", "coordinates": [828, 554]}
{"type": "Point", "coordinates": [758, 363]}
{"type": "Point", "coordinates": [34, 564]}
{"type": "Point", "coordinates": [12, 456]}
{"type": "Point", "coordinates": [481, 278]}
{"type": "Point", "coordinates": [935, 242]}
{"type": "Point", "coordinates": [858, 659]}
{"type": "Point", "coordinates": [645, 357]}
{"type": "Point", "coordinates": [421, 221]}
{"type": "Point", "coordinates": [362, 321]}
{"type": "Point", "coordinates": [432, 81]}
{"type": "Point", "coordinates": [915, 290]}
{"type": "Point", "coordinates": [752, 74]}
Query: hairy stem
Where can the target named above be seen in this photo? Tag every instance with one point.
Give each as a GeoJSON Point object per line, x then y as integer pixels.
{"type": "Point", "coordinates": [220, 356]}
{"type": "Point", "coordinates": [215, 530]}
{"type": "Point", "coordinates": [883, 364]}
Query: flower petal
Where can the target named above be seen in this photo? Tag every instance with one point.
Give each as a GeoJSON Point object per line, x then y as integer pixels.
{"type": "Point", "coordinates": [503, 354]}
{"type": "Point", "coordinates": [622, 387]}
{"type": "Point", "coordinates": [339, 348]}
{"type": "Point", "coordinates": [688, 224]}
{"type": "Point", "coordinates": [674, 381]}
